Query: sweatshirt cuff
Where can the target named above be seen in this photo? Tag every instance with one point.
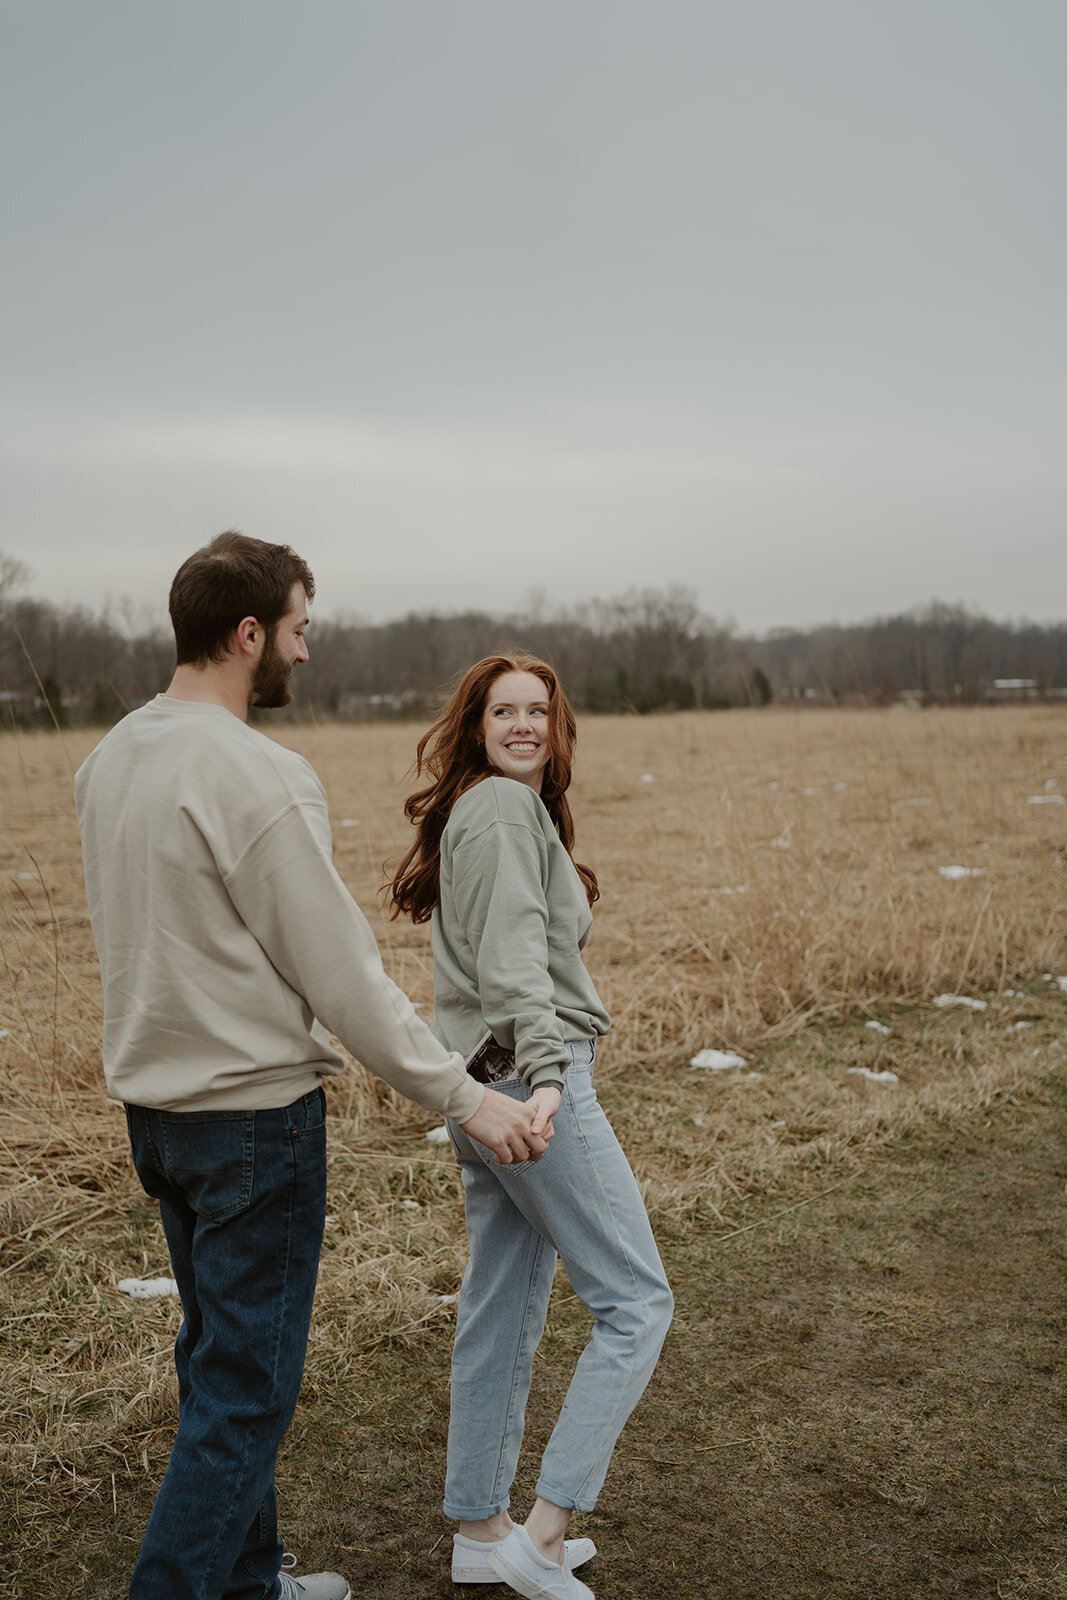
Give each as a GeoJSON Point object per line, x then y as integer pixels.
{"type": "Point", "coordinates": [546, 1077]}
{"type": "Point", "coordinates": [464, 1100]}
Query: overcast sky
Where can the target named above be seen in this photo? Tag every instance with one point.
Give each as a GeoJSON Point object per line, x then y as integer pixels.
{"type": "Point", "coordinates": [468, 299]}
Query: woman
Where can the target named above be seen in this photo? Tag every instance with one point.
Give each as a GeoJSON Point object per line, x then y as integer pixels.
{"type": "Point", "coordinates": [491, 868]}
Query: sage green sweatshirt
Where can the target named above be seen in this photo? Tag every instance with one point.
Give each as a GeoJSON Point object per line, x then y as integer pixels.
{"type": "Point", "coordinates": [511, 920]}
{"type": "Point", "coordinates": [228, 943]}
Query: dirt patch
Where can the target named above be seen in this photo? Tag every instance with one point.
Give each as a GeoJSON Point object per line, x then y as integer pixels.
{"type": "Point", "coordinates": [862, 1397]}
{"type": "Point", "coordinates": [867, 1398]}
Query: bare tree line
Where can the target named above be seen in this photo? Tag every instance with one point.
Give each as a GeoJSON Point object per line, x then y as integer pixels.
{"type": "Point", "coordinates": [935, 652]}
{"type": "Point", "coordinates": [642, 651]}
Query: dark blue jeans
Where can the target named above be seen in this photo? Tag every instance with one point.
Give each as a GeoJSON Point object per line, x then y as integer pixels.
{"type": "Point", "coordinates": [242, 1197]}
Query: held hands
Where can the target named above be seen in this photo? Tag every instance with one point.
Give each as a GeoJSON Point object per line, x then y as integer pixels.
{"type": "Point", "coordinates": [514, 1130]}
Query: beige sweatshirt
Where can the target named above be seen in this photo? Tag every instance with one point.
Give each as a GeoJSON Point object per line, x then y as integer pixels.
{"type": "Point", "coordinates": [224, 930]}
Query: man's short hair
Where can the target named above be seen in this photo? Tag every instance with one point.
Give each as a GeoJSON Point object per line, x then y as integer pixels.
{"type": "Point", "coordinates": [231, 578]}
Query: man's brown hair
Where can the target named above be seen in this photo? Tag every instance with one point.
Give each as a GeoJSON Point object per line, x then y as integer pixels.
{"type": "Point", "coordinates": [231, 578]}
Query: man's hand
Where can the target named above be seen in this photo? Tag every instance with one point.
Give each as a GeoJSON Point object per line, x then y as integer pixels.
{"type": "Point", "coordinates": [506, 1126]}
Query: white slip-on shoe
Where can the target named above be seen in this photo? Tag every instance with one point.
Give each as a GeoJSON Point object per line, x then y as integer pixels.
{"type": "Point", "coordinates": [470, 1558]}
{"type": "Point", "coordinates": [518, 1561]}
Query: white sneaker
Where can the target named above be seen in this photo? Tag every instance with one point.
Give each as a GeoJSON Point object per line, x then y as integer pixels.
{"type": "Point", "coordinates": [314, 1586]}
{"type": "Point", "coordinates": [470, 1558]}
{"type": "Point", "coordinates": [518, 1561]}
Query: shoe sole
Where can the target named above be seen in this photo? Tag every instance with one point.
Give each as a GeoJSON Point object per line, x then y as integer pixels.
{"type": "Point", "coordinates": [530, 1589]}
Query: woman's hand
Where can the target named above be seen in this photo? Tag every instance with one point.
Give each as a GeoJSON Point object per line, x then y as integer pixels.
{"type": "Point", "coordinates": [547, 1101]}
{"type": "Point", "coordinates": [507, 1127]}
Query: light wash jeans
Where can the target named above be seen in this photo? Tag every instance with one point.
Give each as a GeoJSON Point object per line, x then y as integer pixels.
{"type": "Point", "coordinates": [242, 1196]}
{"type": "Point", "coordinates": [581, 1201]}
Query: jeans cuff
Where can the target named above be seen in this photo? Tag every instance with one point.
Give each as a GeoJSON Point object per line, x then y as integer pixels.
{"type": "Point", "coordinates": [458, 1513]}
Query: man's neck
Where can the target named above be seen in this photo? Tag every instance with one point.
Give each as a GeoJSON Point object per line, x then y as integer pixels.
{"type": "Point", "coordinates": [216, 684]}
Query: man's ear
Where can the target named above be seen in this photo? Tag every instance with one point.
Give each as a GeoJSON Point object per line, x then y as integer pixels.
{"type": "Point", "coordinates": [247, 635]}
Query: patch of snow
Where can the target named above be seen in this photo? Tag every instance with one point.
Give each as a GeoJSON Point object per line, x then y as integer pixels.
{"type": "Point", "coordinates": [781, 1123]}
{"type": "Point", "coordinates": [717, 1060]}
{"type": "Point", "coordinates": [811, 791]}
{"type": "Point", "coordinates": [839, 788]}
{"type": "Point", "coordinates": [783, 842]}
{"type": "Point", "coordinates": [411, 1205]}
{"type": "Point", "coordinates": [27, 876]}
{"type": "Point", "coordinates": [753, 1074]}
{"type": "Point", "coordinates": [774, 784]}
{"type": "Point", "coordinates": [1017, 1027]}
{"type": "Point", "coordinates": [438, 1135]}
{"type": "Point", "coordinates": [961, 872]}
{"type": "Point", "coordinates": [348, 822]}
{"type": "Point", "coordinates": [959, 1000]}
{"type": "Point", "coordinates": [1050, 783]}
{"type": "Point", "coordinates": [648, 777]}
{"type": "Point", "coordinates": [878, 1027]}
{"type": "Point", "coordinates": [447, 1299]}
{"type": "Point", "coordinates": [147, 1288]}
{"type": "Point", "coordinates": [1062, 982]}
{"type": "Point", "coordinates": [698, 1120]}
{"type": "Point", "coordinates": [737, 888]}
{"type": "Point", "coordinates": [918, 800]}
{"type": "Point", "coordinates": [1046, 800]}
{"type": "Point", "coordinates": [875, 1077]}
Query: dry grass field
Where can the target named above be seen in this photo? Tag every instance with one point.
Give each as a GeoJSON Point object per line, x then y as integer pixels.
{"type": "Point", "coordinates": [772, 884]}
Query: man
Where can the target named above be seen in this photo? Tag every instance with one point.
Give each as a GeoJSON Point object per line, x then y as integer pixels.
{"type": "Point", "coordinates": [228, 945]}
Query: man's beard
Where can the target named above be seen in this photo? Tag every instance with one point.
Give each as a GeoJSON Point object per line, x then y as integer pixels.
{"type": "Point", "coordinates": [270, 685]}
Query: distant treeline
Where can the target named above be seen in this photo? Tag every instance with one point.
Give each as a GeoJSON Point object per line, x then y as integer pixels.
{"type": "Point", "coordinates": [647, 651]}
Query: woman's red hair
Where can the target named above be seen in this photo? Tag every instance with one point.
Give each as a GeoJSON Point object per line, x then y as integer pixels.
{"type": "Point", "coordinates": [452, 753]}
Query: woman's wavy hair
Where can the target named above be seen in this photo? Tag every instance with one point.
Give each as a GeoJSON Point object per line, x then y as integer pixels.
{"type": "Point", "coordinates": [452, 754]}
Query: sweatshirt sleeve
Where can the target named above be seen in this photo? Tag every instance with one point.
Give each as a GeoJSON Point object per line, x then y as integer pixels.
{"type": "Point", "coordinates": [498, 883]}
{"type": "Point", "coordinates": [291, 898]}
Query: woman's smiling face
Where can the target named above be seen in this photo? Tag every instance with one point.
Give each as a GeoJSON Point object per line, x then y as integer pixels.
{"type": "Point", "coordinates": [515, 727]}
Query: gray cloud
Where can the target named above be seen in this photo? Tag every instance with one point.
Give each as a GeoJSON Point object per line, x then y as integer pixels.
{"type": "Point", "coordinates": [473, 299]}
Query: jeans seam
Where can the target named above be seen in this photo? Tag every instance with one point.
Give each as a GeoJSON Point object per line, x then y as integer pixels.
{"type": "Point", "coordinates": [639, 1296]}
{"type": "Point", "coordinates": [225, 1526]}
{"type": "Point", "coordinates": [520, 1345]}
{"type": "Point", "coordinates": [283, 1300]}
{"type": "Point", "coordinates": [252, 1434]}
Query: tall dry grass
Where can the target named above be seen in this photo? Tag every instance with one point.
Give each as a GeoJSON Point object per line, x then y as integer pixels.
{"type": "Point", "coordinates": [782, 867]}
{"type": "Point", "coordinates": [760, 869]}
{"type": "Point", "coordinates": [765, 875]}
